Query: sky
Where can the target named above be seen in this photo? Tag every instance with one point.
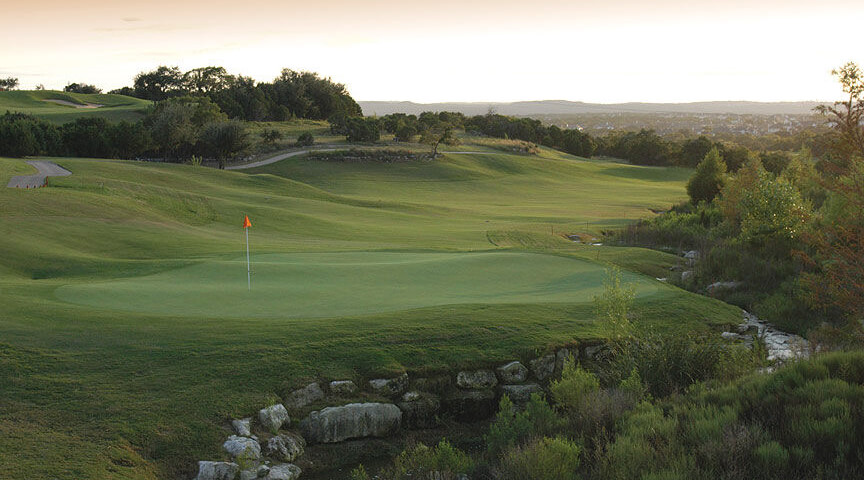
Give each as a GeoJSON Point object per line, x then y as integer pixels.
{"type": "Point", "coordinates": [447, 50]}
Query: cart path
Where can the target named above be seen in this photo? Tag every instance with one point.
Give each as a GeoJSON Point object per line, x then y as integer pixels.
{"type": "Point", "coordinates": [46, 169]}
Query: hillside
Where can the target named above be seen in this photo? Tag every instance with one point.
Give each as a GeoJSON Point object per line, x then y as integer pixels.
{"type": "Point", "coordinates": [61, 107]}
{"type": "Point", "coordinates": [128, 335]}
{"type": "Point", "coordinates": [563, 107]}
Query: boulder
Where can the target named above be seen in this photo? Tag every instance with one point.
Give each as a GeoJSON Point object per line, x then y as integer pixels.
{"type": "Point", "coordinates": [304, 396]}
{"type": "Point", "coordinates": [513, 372]}
{"type": "Point", "coordinates": [561, 358]}
{"type": "Point", "coordinates": [355, 420]}
{"type": "Point", "coordinates": [716, 287]}
{"type": "Point", "coordinates": [686, 275]}
{"type": "Point", "coordinates": [470, 405]}
{"type": "Point", "coordinates": [241, 427]}
{"type": "Point", "coordinates": [543, 367]}
{"type": "Point", "coordinates": [217, 470]}
{"type": "Point", "coordinates": [520, 394]}
{"type": "Point", "coordinates": [342, 387]}
{"type": "Point", "coordinates": [242, 447]}
{"type": "Point", "coordinates": [273, 417]}
{"type": "Point", "coordinates": [411, 396]}
{"type": "Point", "coordinates": [389, 387]}
{"type": "Point", "coordinates": [285, 471]}
{"type": "Point", "coordinates": [592, 351]}
{"type": "Point", "coordinates": [477, 379]}
{"type": "Point", "coordinates": [285, 447]}
{"type": "Point", "coordinates": [421, 412]}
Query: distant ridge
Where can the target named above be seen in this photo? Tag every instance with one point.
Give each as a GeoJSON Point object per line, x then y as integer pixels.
{"type": "Point", "coordinates": [564, 107]}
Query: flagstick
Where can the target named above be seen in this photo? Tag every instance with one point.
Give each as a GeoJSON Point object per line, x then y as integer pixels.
{"type": "Point", "coordinates": [248, 265]}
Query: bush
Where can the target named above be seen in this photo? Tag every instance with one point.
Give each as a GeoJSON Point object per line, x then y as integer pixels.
{"type": "Point", "coordinates": [574, 386]}
{"type": "Point", "coordinates": [270, 136]}
{"type": "Point", "coordinates": [511, 428]}
{"type": "Point", "coordinates": [305, 140]}
{"type": "Point", "coordinates": [443, 462]}
{"type": "Point", "coordinates": [362, 129]}
{"type": "Point", "coordinates": [544, 459]}
{"type": "Point", "coordinates": [708, 179]}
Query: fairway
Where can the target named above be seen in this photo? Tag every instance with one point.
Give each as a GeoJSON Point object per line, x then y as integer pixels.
{"type": "Point", "coordinates": [339, 284]}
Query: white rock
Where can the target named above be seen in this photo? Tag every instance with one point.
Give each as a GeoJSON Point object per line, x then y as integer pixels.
{"type": "Point", "coordinates": [273, 417]}
{"type": "Point", "coordinates": [241, 427]}
{"type": "Point", "coordinates": [304, 396]}
{"type": "Point", "coordinates": [686, 275]}
{"type": "Point", "coordinates": [390, 386]}
{"type": "Point", "coordinates": [285, 447]}
{"type": "Point", "coordinates": [217, 470]}
{"type": "Point", "coordinates": [543, 367]}
{"type": "Point", "coordinates": [286, 471]}
{"type": "Point", "coordinates": [242, 447]}
{"type": "Point", "coordinates": [476, 379]}
{"type": "Point", "coordinates": [355, 420]}
{"type": "Point", "coordinates": [411, 396]}
{"type": "Point", "coordinates": [513, 372]}
{"type": "Point", "coordinates": [342, 387]}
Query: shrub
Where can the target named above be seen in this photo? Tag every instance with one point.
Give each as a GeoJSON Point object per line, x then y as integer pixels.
{"type": "Point", "coordinates": [362, 129]}
{"type": "Point", "coordinates": [708, 179]}
{"type": "Point", "coordinates": [443, 462]}
{"type": "Point", "coordinates": [513, 428]}
{"type": "Point", "coordinates": [543, 459]}
{"type": "Point", "coordinates": [305, 140]}
{"type": "Point", "coordinates": [270, 136]}
{"type": "Point", "coordinates": [574, 386]}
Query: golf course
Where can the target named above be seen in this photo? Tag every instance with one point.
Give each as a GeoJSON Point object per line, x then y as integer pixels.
{"type": "Point", "coordinates": [129, 335]}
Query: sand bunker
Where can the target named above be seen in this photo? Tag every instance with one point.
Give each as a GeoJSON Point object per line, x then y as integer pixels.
{"type": "Point", "coordinates": [70, 104]}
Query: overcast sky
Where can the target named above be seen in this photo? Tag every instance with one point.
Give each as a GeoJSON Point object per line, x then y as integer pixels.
{"type": "Point", "coordinates": [449, 50]}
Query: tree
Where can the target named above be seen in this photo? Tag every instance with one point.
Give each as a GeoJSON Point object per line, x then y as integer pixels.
{"type": "Point", "coordinates": [305, 140]}
{"type": "Point", "coordinates": [224, 139]}
{"type": "Point", "coordinates": [159, 84]}
{"type": "Point", "coordinates": [708, 179]}
{"type": "Point", "coordinates": [81, 88]}
{"type": "Point", "coordinates": [362, 129]}
{"type": "Point", "coordinates": [270, 136]}
{"type": "Point", "coordinates": [694, 150]}
{"type": "Point", "coordinates": [9, 83]}
{"type": "Point", "coordinates": [206, 80]}
{"type": "Point", "coordinates": [87, 137]}
{"type": "Point", "coordinates": [435, 136]}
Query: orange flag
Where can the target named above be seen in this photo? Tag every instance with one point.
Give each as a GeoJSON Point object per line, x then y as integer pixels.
{"type": "Point", "coordinates": [246, 222]}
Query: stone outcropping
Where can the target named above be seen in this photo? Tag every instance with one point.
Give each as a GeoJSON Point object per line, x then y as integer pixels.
{"type": "Point", "coordinates": [520, 394]}
{"type": "Point", "coordinates": [286, 471]}
{"type": "Point", "coordinates": [273, 417]}
{"type": "Point", "coordinates": [420, 411]}
{"type": "Point", "coordinates": [304, 396]}
{"type": "Point", "coordinates": [242, 448]}
{"type": "Point", "coordinates": [355, 420]}
{"type": "Point", "coordinates": [342, 387]}
{"type": "Point", "coordinates": [241, 427]}
{"type": "Point", "coordinates": [390, 387]}
{"type": "Point", "coordinates": [513, 372]}
{"type": "Point", "coordinates": [217, 470]}
{"type": "Point", "coordinates": [477, 379]}
{"type": "Point", "coordinates": [285, 447]}
{"type": "Point", "coordinates": [543, 367]}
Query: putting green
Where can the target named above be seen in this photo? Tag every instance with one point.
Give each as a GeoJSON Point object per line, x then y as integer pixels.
{"type": "Point", "coordinates": [306, 285]}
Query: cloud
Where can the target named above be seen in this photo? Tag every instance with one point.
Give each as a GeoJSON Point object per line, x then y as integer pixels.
{"type": "Point", "coordinates": [132, 19]}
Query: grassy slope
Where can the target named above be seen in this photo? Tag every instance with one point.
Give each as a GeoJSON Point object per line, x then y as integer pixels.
{"type": "Point", "coordinates": [115, 107]}
{"type": "Point", "coordinates": [138, 395]}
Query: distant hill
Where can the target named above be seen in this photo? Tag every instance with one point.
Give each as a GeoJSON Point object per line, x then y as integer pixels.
{"type": "Point", "coordinates": [564, 107]}
{"type": "Point", "coordinates": [61, 107]}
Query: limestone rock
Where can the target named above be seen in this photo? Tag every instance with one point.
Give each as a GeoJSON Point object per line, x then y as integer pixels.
{"type": "Point", "coordinates": [561, 358]}
{"type": "Point", "coordinates": [242, 447]}
{"type": "Point", "coordinates": [342, 387]}
{"type": "Point", "coordinates": [543, 367]}
{"type": "Point", "coordinates": [285, 447]}
{"type": "Point", "coordinates": [520, 394]}
{"type": "Point", "coordinates": [411, 396]}
{"type": "Point", "coordinates": [421, 412]}
{"type": "Point", "coordinates": [592, 351]}
{"type": "Point", "coordinates": [286, 471]}
{"type": "Point", "coordinates": [355, 420]}
{"type": "Point", "coordinates": [304, 396]}
{"type": "Point", "coordinates": [686, 275]}
{"type": "Point", "coordinates": [273, 417]}
{"type": "Point", "coordinates": [390, 387]}
{"type": "Point", "coordinates": [476, 379]}
{"type": "Point", "coordinates": [513, 372]}
{"type": "Point", "coordinates": [241, 427]}
{"type": "Point", "coordinates": [217, 470]}
{"type": "Point", "coordinates": [470, 405]}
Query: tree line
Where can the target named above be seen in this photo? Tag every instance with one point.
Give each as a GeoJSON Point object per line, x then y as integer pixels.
{"type": "Point", "coordinates": [290, 95]}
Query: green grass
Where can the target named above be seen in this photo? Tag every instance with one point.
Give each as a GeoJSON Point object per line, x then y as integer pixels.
{"type": "Point", "coordinates": [361, 269]}
{"type": "Point", "coordinates": [114, 108]}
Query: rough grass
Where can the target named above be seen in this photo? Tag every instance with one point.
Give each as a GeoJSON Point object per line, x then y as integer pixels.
{"type": "Point", "coordinates": [114, 107]}
{"type": "Point", "coordinates": [91, 392]}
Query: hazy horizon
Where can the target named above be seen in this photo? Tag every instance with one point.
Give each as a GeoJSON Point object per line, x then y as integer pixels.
{"type": "Point", "coordinates": [668, 51]}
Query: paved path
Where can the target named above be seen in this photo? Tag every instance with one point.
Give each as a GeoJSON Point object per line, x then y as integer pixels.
{"type": "Point", "coordinates": [280, 157]}
{"type": "Point", "coordinates": [46, 169]}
